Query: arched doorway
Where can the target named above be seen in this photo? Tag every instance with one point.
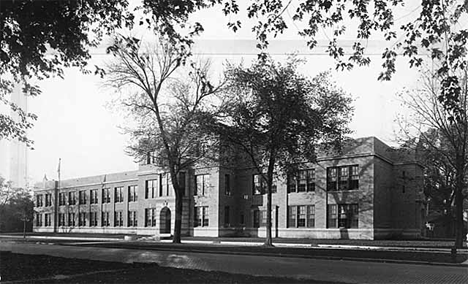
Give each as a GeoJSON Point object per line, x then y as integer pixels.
{"type": "Point", "coordinates": [165, 221]}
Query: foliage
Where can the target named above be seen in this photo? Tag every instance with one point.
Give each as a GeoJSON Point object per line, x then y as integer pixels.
{"type": "Point", "coordinates": [16, 208]}
{"type": "Point", "coordinates": [277, 117]}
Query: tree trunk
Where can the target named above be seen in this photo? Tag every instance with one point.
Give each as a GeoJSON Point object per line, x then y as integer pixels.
{"type": "Point", "coordinates": [459, 227]}
{"type": "Point", "coordinates": [178, 218]}
{"type": "Point", "coordinates": [271, 166]}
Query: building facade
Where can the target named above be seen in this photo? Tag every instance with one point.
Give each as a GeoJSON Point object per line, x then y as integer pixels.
{"type": "Point", "coordinates": [367, 191]}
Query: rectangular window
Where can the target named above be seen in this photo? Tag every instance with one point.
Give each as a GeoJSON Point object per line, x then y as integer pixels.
{"type": "Point", "coordinates": [61, 219]}
{"type": "Point", "coordinates": [201, 216]}
{"type": "Point", "coordinates": [106, 195]}
{"type": "Point", "coordinates": [38, 220]}
{"type": "Point", "coordinates": [304, 181]}
{"type": "Point", "coordinates": [343, 178]}
{"type": "Point", "coordinates": [202, 184]}
{"type": "Point", "coordinates": [118, 219]}
{"type": "Point", "coordinates": [118, 194]}
{"type": "Point", "coordinates": [343, 216]}
{"type": "Point", "coordinates": [93, 219]}
{"type": "Point", "coordinates": [301, 216]}
{"type": "Point", "coordinates": [82, 197]}
{"type": "Point", "coordinates": [82, 219]}
{"type": "Point", "coordinates": [132, 193]}
{"type": "Point", "coordinates": [259, 185]}
{"type": "Point", "coordinates": [227, 184]}
{"type": "Point", "coordinates": [48, 219]}
{"type": "Point", "coordinates": [264, 218]}
{"type": "Point", "coordinates": [39, 200]}
{"type": "Point", "coordinates": [62, 198]}
{"type": "Point", "coordinates": [48, 199]}
{"type": "Point", "coordinates": [256, 218]}
{"type": "Point", "coordinates": [164, 187]}
{"type": "Point", "coordinates": [93, 196]}
{"type": "Point", "coordinates": [132, 219]}
{"type": "Point", "coordinates": [150, 217]}
{"type": "Point", "coordinates": [151, 187]}
{"type": "Point", "coordinates": [71, 198]}
{"type": "Point", "coordinates": [150, 158]}
{"type": "Point", "coordinates": [105, 220]}
{"type": "Point", "coordinates": [227, 219]}
{"type": "Point", "coordinates": [71, 219]}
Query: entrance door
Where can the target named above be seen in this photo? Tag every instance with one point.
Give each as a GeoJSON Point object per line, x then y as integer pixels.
{"type": "Point", "coordinates": [165, 221]}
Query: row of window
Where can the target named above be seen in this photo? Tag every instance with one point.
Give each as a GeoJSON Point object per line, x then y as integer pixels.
{"type": "Point", "coordinates": [70, 219]}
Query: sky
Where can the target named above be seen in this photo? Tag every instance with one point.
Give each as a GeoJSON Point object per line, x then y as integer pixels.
{"type": "Point", "coordinates": [76, 124]}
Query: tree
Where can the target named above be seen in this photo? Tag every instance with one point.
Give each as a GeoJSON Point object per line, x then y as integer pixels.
{"type": "Point", "coordinates": [442, 139]}
{"type": "Point", "coordinates": [277, 117]}
{"type": "Point", "coordinates": [16, 208]}
{"type": "Point", "coordinates": [168, 115]}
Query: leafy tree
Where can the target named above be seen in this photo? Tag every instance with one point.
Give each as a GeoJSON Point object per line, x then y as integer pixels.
{"type": "Point", "coordinates": [16, 208]}
{"type": "Point", "coordinates": [168, 112]}
{"type": "Point", "coordinates": [442, 140]}
{"type": "Point", "coordinates": [277, 117]}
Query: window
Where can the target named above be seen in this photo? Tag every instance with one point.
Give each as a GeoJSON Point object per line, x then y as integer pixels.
{"type": "Point", "coordinates": [256, 219]}
{"type": "Point", "coordinates": [82, 197]}
{"type": "Point", "coordinates": [48, 219]}
{"type": "Point", "coordinates": [259, 185]}
{"type": "Point", "coordinates": [343, 178]}
{"type": "Point", "coordinates": [61, 219]}
{"type": "Point", "coordinates": [92, 219]}
{"type": "Point", "coordinates": [151, 188]}
{"type": "Point", "coordinates": [62, 198]}
{"type": "Point", "coordinates": [38, 220]}
{"type": "Point", "coordinates": [202, 184]}
{"type": "Point", "coordinates": [150, 217]}
{"type": "Point", "coordinates": [118, 219]}
{"type": "Point", "coordinates": [105, 220]}
{"type": "Point", "coordinates": [82, 219]}
{"type": "Point", "coordinates": [118, 194]}
{"type": "Point", "coordinates": [227, 219]}
{"type": "Point", "coordinates": [343, 216]}
{"type": "Point", "coordinates": [150, 158]}
{"type": "Point", "coordinates": [71, 198]}
{"type": "Point", "coordinates": [48, 200]}
{"type": "Point", "coordinates": [132, 193]}
{"type": "Point", "coordinates": [71, 219]}
{"type": "Point", "coordinates": [304, 181]}
{"type": "Point", "coordinates": [301, 216]}
{"type": "Point", "coordinates": [227, 184]}
{"type": "Point", "coordinates": [39, 200]}
{"type": "Point", "coordinates": [164, 185]}
{"type": "Point", "coordinates": [93, 196]}
{"type": "Point", "coordinates": [201, 216]}
{"type": "Point", "coordinates": [132, 219]}
{"type": "Point", "coordinates": [106, 195]}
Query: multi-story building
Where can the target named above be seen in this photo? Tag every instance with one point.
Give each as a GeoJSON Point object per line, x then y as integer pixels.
{"type": "Point", "coordinates": [367, 191]}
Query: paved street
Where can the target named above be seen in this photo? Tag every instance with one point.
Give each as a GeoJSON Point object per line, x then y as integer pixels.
{"type": "Point", "coordinates": [318, 269]}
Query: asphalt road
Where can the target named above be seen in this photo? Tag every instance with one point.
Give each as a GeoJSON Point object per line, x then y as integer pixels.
{"type": "Point", "coordinates": [318, 269]}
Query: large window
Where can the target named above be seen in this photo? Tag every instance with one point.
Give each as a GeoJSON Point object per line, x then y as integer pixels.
{"type": "Point", "coordinates": [38, 219]}
{"type": "Point", "coordinates": [302, 182]}
{"type": "Point", "coordinates": [259, 218]}
{"type": "Point", "coordinates": [71, 198]}
{"type": "Point", "coordinates": [118, 219]}
{"type": "Point", "coordinates": [164, 188]}
{"type": "Point", "coordinates": [150, 217]}
{"type": "Point", "coordinates": [201, 216]}
{"type": "Point", "coordinates": [71, 219]}
{"type": "Point", "coordinates": [343, 178]}
{"type": "Point", "coordinates": [93, 219]}
{"type": "Point", "coordinates": [227, 184]}
{"type": "Point", "coordinates": [132, 219]}
{"type": "Point", "coordinates": [48, 199]}
{"type": "Point", "coordinates": [118, 194]}
{"type": "Point", "coordinates": [150, 158]}
{"type": "Point", "coordinates": [39, 201]}
{"type": "Point", "coordinates": [82, 197]}
{"type": "Point", "coordinates": [132, 193]}
{"type": "Point", "coordinates": [151, 187]}
{"type": "Point", "coordinates": [259, 185]}
{"type": "Point", "coordinates": [106, 195]}
{"type": "Point", "coordinates": [61, 219]}
{"type": "Point", "coordinates": [82, 219]}
{"type": "Point", "coordinates": [62, 198]}
{"type": "Point", "coordinates": [343, 216]}
{"type": "Point", "coordinates": [93, 196]}
{"type": "Point", "coordinates": [48, 219]}
{"type": "Point", "coordinates": [301, 216]}
{"type": "Point", "coordinates": [202, 184]}
{"type": "Point", "coordinates": [105, 219]}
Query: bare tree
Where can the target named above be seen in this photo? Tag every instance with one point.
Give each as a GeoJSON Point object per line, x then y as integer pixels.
{"type": "Point", "coordinates": [167, 110]}
{"type": "Point", "coordinates": [434, 128]}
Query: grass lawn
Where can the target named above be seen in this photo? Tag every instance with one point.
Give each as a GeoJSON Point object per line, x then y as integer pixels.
{"type": "Point", "coordinates": [48, 269]}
